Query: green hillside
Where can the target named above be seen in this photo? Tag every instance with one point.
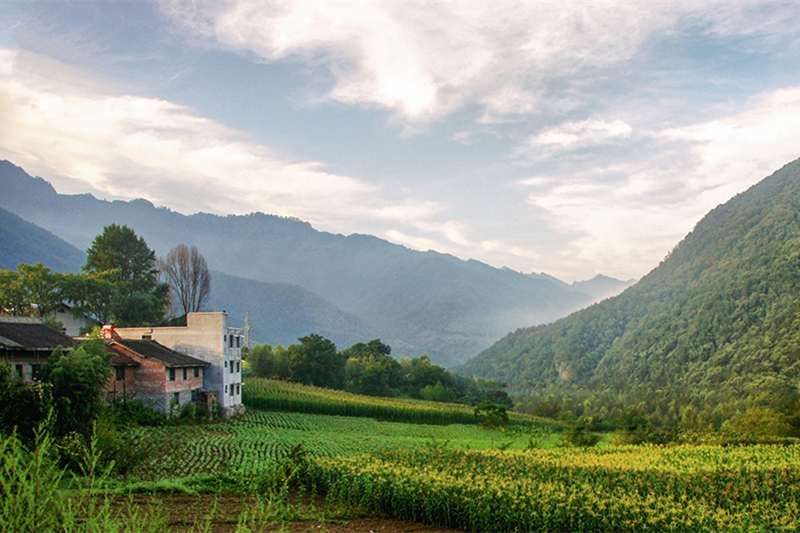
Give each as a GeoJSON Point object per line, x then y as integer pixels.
{"type": "Point", "coordinates": [716, 325]}
{"type": "Point", "coordinates": [23, 242]}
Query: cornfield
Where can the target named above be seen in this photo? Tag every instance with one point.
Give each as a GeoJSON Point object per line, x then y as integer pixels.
{"type": "Point", "coordinates": [612, 489]}
{"type": "Point", "coordinates": [286, 396]}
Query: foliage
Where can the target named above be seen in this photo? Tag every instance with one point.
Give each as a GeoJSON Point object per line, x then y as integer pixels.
{"type": "Point", "coordinates": [78, 378]}
{"type": "Point", "coordinates": [39, 498]}
{"type": "Point", "coordinates": [491, 415]}
{"type": "Point", "coordinates": [187, 273]}
{"type": "Point", "coordinates": [315, 361]}
{"type": "Point", "coordinates": [33, 290]}
{"type": "Point", "coordinates": [126, 277]}
{"type": "Point", "coordinates": [716, 326]}
{"type": "Point", "coordinates": [24, 408]}
{"type": "Point", "coordinates": [616, 489]}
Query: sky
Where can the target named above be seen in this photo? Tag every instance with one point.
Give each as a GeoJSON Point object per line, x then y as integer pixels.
{"type": "Point", "coordinates": [572, 138]}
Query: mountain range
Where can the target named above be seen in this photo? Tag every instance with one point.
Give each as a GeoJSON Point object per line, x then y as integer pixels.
{"type": "Point", "coordinates": [716, 326]}
{"type": "Point", "coordinates": [296, 280]}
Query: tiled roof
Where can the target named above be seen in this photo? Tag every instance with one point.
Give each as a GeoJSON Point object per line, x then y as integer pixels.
{"type": "Point", "coordinates": [154, 351]}
{"type": "Point", "coordinates": [30, 333]}
{"type": "Point", "coordinates": [123, 360]}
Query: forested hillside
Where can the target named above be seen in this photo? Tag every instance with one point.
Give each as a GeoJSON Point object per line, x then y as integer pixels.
{"type": "Point", "coordinates": [716, 326]}
{"type": "Point", "coordinates": [23, 242]}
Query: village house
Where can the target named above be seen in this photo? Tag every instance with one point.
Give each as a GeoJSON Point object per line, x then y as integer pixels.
{"type": "Point", "coordinates": [26, 343]}
{"type": "Point", "coordinates": [161, 378]}
{"type": "Point", "coordinates": [73, 324]}
{"type": "Point", "coordinates": [206, 336]}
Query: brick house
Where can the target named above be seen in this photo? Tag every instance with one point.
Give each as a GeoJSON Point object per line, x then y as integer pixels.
{"type": "Point", "coordinates": [159, 377]}
{"type": "Point", "coordinates": [26, 343]}
{"type": "Point", "coordinates": [205, 336]}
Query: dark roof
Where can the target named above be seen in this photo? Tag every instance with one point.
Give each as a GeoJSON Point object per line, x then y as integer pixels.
{"type": "Point", "coordinates": [123, 360]}
{"type": "Point", "coordinates": [31, 334]}
{"type": "Point", "coordinates": [154, 351]}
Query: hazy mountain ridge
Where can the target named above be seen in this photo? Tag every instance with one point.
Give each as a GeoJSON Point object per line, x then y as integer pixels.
{"type": "Point", "coordinates": [23, 242]}
{"type": "Point", "coordinates": [717, 321]}
{"type": "Point", "coordinates": [419, 302]}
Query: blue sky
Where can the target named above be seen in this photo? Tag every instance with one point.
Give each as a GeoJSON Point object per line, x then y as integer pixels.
{"type": "Point", "coordinates": [573, 138]}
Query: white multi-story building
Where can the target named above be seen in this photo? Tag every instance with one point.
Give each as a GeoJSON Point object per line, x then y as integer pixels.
{"type": "Point", "coordinates": [205, 336]}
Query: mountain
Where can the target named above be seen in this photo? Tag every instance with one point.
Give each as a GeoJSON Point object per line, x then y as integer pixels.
{"type": "Point", "coordinates": [279, 312]}
{"type": "Point", "coordinates": [716, 325]}
{"type": "Point", "coordinates": [418, 302]}
{"type": "Point", "coordinates": [23, 242]}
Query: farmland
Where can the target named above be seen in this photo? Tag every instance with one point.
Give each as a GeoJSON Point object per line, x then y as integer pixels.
{"type": "Point", "coordinates": [462, 477]}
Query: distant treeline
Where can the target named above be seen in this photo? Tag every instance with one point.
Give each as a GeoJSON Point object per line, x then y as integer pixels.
{"type": "Point", "coordinates": [368, 368]}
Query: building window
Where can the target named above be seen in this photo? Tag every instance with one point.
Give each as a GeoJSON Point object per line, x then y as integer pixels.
{"type": "Point", "coordinates": [230, 341]}
{"type": "Point", "coordinates": [238, 389]}
{"type": "Point", "coordinates": [184, 372]}
{"type": "Point", "coordinates": [231, 367]}
{"type": "Point", "coordinates": [35, 371]}
{"type": "Point", "coordinates": [19, 371]}
{"type": "Point", "coordinates": [238, 342]}
{"type": "Point", "coordinates": [147, 337]}
{"type": "Point", "coordinates": [176, 398]}
{"type": "Point", "coordinates": [197, 372]}
{"type": "Point", "coordinates": [226, 389]}
{"type": "Point", "coordinates": [238, 366]}
{"type": "Point", "coordinates": [231, 390]}
{"type": "Point", "coordinates": [120, 370]}
{"type": "Point", "coordinates": [225, 364]}
{"type": "Point", "coordinates": [194, 395]}
{"type": "Point", "coordinates": [171, 374]}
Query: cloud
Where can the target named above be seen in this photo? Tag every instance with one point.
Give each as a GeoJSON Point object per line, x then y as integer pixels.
{"type": "Point", "coordinates": [631, 213]}
{"type": "Point", "coordinates": [573, 135]}
{"type": "Point", "coordinates": [126, 146]}
{"type": "Point", "coordinates": [424, 60]}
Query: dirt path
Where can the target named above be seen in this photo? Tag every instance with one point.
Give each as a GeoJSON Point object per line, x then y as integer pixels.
{"type": "Point", "coordinates": [221, 514]}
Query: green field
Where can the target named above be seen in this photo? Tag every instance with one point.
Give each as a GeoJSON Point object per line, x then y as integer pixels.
{"type": "Point", "coordinates": [460, 476]}
{"type": "Point", "coordinates": [246, 443]}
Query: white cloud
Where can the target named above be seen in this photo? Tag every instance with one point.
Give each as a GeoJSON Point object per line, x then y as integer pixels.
{"type": "Point", "coordinates": [126, 146]}
{"type": "Point", "coordinates": [624, 215]}
{"type": "Point", "coordinates": [573, 135]}
{"type": "Point", "coordinates": [423, 60]}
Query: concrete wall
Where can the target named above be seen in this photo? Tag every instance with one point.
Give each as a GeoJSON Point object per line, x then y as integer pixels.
{"type": "Point", "coordinates": [207, 337]}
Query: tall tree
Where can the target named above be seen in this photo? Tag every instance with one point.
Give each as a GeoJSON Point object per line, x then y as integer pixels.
{"type": "Point", "coordinates": [315, 361]}
{"type": "Point", "coordinates": [187, 273]}
{"type": "Point", "coordinates": [119, 255]}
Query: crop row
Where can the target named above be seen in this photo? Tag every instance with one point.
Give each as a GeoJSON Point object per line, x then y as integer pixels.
{"type": "Point", "coordinates": [286, 396]}
{"type": "Point", "coordinates": [627, 489]}
{"type": "Point", "coordinates": [259, 437]}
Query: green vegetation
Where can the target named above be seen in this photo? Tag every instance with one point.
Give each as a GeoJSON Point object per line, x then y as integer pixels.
{"type": "Point", "coordinates": [368, 368]}
{"type": "Point", "coordinates": [613, 489]}
{"type": "Point", "coordinates": [712, 332]}
{"type": "Point", "coordinates": [119, 284]}
{"type": "Point", "coordinates": [294, 397]}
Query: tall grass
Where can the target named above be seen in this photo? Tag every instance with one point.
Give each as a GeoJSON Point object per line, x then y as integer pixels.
{"type": "Point", "coordinates": [37, 496]}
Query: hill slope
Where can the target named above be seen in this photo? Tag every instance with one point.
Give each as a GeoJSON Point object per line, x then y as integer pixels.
{"type": "Point", "coordinates": [417, 302]}
{"type": "Point", "coordinates": [716, 324]}
{"type": "Point", "coordinates": [23, 242]}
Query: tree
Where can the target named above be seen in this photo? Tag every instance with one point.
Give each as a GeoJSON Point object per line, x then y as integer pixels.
{"type": "Point", "coordinates": [33, 290]}
{"type": "Point", "coordinates": [370, 370]}
{"type": "Point", "coordinates": [78, 378]}
{"type": "Point", "coordinates": [187, 273]}
{"type": "Point", "coordinates": [315, 361]}
{"type": "Point", "coordinates": [490, 414]}
{"type": "Point", "coordinates": [23, 407]}
{"type": "Point", "coordinates": [124, 288]}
